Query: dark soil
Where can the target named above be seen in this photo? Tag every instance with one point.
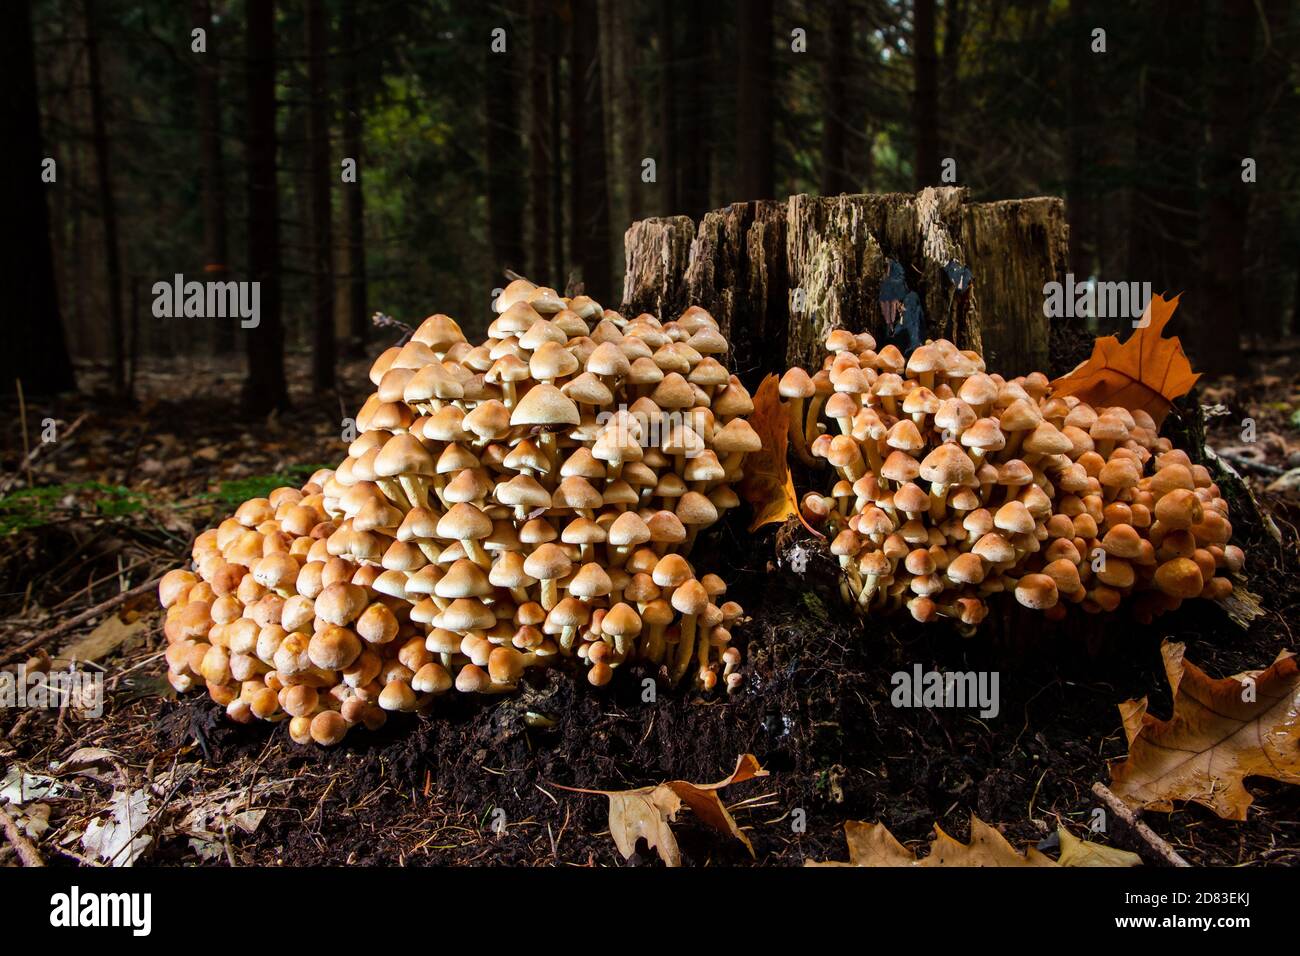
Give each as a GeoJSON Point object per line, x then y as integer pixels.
{"type": "Point", "coordinates": [815, 710]}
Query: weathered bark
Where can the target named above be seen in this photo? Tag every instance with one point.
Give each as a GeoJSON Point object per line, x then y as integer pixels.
{"type": "Point", "coordinates": [778, 275]}
{"type": "Point", "coordinates": [107, 201]}
{"type": "Point", "coordinates": [1013, 249]}
{"type": "Point", "coordinates": [35, 349]}
{"type": "Point", "coordinates": [324, 349]}
{"type": "Point", "coordinates": [354, 197]}
{"type": "Point", "coordinates": [265, 388]}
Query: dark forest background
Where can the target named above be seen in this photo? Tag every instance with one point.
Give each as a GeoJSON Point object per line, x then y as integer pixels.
{"type": "Point", "coordinates": [227, 163]}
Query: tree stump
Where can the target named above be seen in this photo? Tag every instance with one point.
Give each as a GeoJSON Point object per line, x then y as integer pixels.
{"type": "Point", "coordinates": [778, 275]}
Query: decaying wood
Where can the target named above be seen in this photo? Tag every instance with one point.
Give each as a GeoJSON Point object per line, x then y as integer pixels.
{"type": "Point", "coordinates": [1163, 853]}
{"type": "Point", "coordinates": [778, 275]}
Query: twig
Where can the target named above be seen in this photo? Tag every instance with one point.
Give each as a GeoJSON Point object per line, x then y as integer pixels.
{"type": "Point", "coordinates": [22, 418]}
{"type": "Point", "coordinates": [1148, 836]}
{"type": "Point", "coordinates": [26, 852]}
{"type": "Point", "coordinates": [1243, 463]}
{"type": "Point", "coordinates": [32, 455]}
{"type": "Point", "coordinates": [382, 321]}
{"type": "Point", "coordinates": [98, 581]}
{"type": "Point", "coordinates": [81, 618]}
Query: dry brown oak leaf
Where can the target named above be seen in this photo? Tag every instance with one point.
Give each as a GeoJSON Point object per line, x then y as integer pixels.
{"type": "Point", "coordinates": [647, 812]}
{"type": "Point", "coordinates": [1221, 732]}
{"type": "Point", "coordinates": [871, 844]}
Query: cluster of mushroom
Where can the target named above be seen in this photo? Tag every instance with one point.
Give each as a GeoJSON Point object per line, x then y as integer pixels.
{"type": "Point", "coordinates": [955, 484]}
{"type": "Point", "coordinates": [276, 626]}
{"type": "Point", "coordinates": [504, 506]}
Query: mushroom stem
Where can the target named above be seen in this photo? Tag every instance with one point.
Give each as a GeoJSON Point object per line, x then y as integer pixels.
{"type": "Point", "coordinates": [547, 444]}
{"type": "Point", "coordinates": [684, 648]}
{"type": "Point", "coordinates": [393, 489]}
{"type": "Point", "coordinates": [873, 456]}
{"type": "Point", "coordinates": [566, 639]}
{"type": "Point", "coordinates": [798, 439]}
{"type": "Point", "coordinates": [475, 552]}
{"type": "Point", "coordinates": [414, 487]}
{"type": "Point", "coordinates": [814, 412]}
{"type": "Point", "coordinates": [938, 502]}
{"type": "Point", "coordinates": [653, 647]}
{"type": "Point", "coordinates": [550, 594]}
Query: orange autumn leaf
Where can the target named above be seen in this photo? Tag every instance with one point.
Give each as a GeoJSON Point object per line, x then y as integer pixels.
{"type": "Point", "coordinates": [1146, 372]}
{"type": "Point", "coordinates": [767, 486]}
{"type": "Point", "coordinates": [1221, 731]}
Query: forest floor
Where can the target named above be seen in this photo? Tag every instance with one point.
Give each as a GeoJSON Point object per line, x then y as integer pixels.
{"type": "Point", "coordinates": [124, 492]}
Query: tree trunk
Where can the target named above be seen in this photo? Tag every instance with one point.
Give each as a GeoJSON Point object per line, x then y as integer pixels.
{"type": "Point", "coordinates": [755, 178]}
{"type": "Point", "coordinates": [695, 114]}
{"type": "Point", "coordinates": [589, 209]}
{"type": "Point", "coordinates": [504, 150]}
{"type": "Point", "coordinates": [540, 147]}
{"type": "Point", "coordinates": [558, 153]}
{"type": "Point", "coordinates": [1165, 216]}
{"type": "Point", "coordinates": [354, 201]}
{"type": "Point", "coordinates": [1218, 343]}
{"type": "Point", "coordinates": [925, 105]}
{"type": "Point", "coordinates": [107, 203]}
{"type": "Point", "coordinates": [35, 350]}
{"type": "Point", "coordinates": [668, 166]}
{"type": "Point", "coordinates": [324, 348]}
{"type": "Point", "coordinates": [835, 174]}
{"type": "Point", "coordinates": [1082, 133]}
{"type": "Point", "coordinates": [778, 275]}
{"type": "Point", "coordinates": [632, 145]}
{"type": "Point", "coordinates": [216, 267]}
{"type": "Point", "coordinates": [265, 390]}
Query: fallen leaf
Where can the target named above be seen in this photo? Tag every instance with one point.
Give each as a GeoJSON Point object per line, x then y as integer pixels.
{"type": "Point", "coordinates": [19, 787]}
{"type": "Point", "coordinates": [1221, 732]}
{"type": "Point", "coordinates": [118, 841]}
{"type": "Point", "coordinates": [767, 485]}
{"type": "Point", "coordinates": [871, 844]}
{"type": "Point", "coordinates": [647, 812]}
{"type": "Point", "coordinates": [110, 634]}
{"type": "Point", "coordinates": [1147, 372]}
{"type": "Point", "coordinates": [34, 820]}
{"type": "Point", "coordinates": [1076, 852]}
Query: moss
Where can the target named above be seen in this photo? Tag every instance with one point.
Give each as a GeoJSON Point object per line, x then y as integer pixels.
{"type": "Point", "coordinates": [234, 493]}
{"type": "Point", "coordinates": [35, 507]}
{"type": "Point", "coordinates": [814, 606]}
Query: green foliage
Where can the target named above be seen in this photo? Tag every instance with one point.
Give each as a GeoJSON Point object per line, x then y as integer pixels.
{"type": "Point", "coordinates": [231, 494]}
{"type": "Point", "coordinates": [34, 507]}
{"type": "Point", "coordinates": [814, 606]}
